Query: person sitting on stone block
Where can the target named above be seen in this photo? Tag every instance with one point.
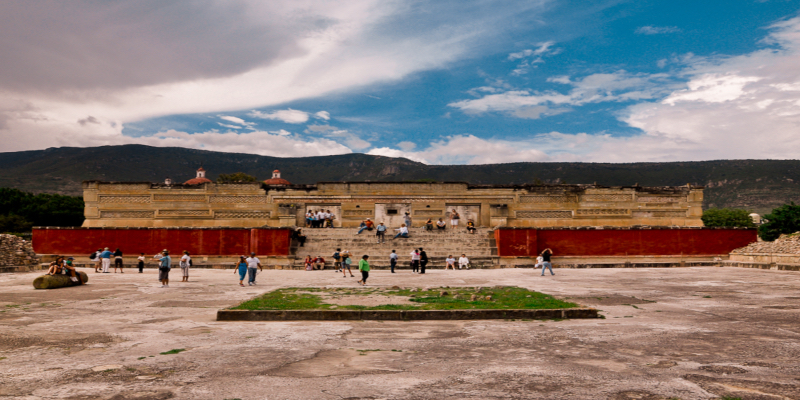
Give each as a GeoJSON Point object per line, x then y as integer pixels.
{"type": "Point", "coordinates": [70, 268]}
{"type": "Point", "coordinates": [56, 266]}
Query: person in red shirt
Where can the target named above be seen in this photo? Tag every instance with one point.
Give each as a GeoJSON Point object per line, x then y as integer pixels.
{"type": "Point", "coordinates": [319, 262]}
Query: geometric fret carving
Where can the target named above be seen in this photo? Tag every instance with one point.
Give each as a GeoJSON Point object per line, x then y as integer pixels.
{"type": "Point", "coordinates": [544, 214]}
{"type": "Point", "coordinates": [184, 213]}
{"type": "Point", "coordinates": [357, 213]}
{"type": "Point", "coordinates": [239, 199]}
{"type": "Point", "coordinates": [241, 214]}
{"type": "Point", "coordinates": [126, 214]}
{"type": "Point", "coordinates": [546, 199]}
{"type": "Point", "coordinates": [661, 199]}
{"type": "Point", "coordinates": [126, 186]}
{"type": "Point", "coordinates": [598, 211]}
{"type": "Point", "coordinates": [124, 199]}
{"type": "Point", "coordinates": [607, 197]}
{"type": "Point", "coordinates": [659, 214]}
{"type": "Point", "coordinates": [179, 197]}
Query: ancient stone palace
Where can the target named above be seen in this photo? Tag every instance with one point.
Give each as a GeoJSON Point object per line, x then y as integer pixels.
{"type": "Point", "coordinates": [276, 202]}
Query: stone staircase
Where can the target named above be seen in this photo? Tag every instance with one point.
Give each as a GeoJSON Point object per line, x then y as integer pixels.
{"type": "Point", "coordinates": [480, 247]}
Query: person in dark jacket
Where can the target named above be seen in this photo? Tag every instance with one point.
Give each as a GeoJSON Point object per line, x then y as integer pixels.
{"type": "Point", "coordinates": [423, 260]}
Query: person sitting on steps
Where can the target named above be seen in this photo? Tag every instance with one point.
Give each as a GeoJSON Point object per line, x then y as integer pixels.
{"type": "Point", "coordinates": [402, 232]}
{"type": "Point", "coordinates": [471, 226]}
{"type": "Point", "coordinates": [298, 235]}
{"type": "Point", "coordinates": [429, 225]}
{"type": "Point", "coordinates": [366, 224]}
{"type": "Point", "coordinates": [441, 225]}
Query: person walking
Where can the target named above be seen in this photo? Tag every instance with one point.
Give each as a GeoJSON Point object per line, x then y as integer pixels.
{"type": "Point", "coordinates": [118, 261]}
{"type": "Point", "coordinates": [141, 262]}
{"type": "Point", "coordinates": [95, 257]}
{"type": "Point", "coordinates": [402, 232]}
{"type": "Point", "coordinates": [241, 268]}
{"type": "Point", "coordinates": [450, 262]}
{"type": "Point", "coordinates": [163, 269]}
{"type": "Point", "coordinates": [423, 260]}
{"type": "Point", "coordinates": [337, 260]}
{"type": "Point", "coordinates": [105, 257]}
{"type": "Point", "coordinates": [380, 232]}
{"type": "Point", "coordinates": [346, 261]}
{"type": "Point", "coordinates": [393, 260]}
{"type": "Point", "coordinates": [363, 266]}
{"type": "Point", "coordinates": [253, 264]}
{"type": "Point", "coordinates": [454, 218]}
{"type": "Point", "coordinates": [186, 262]}
{"type": "Point", "coordinates": [463, 262]}
{"type": "Point", "coordinates": [415, 261]}
{"type": "Point", "coordinates": [546, 253]}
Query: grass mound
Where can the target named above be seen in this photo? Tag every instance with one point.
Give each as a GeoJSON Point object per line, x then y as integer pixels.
{"type": "Point", "coordinates": [507, 297]}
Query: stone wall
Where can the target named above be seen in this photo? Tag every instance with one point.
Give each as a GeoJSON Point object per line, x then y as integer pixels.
{"type": "Point", "coordinates": [251, 205]}
{"type": "Point", "coordinates": [15, 251]}
{"type": "Point", "coordinates": [784, 250]}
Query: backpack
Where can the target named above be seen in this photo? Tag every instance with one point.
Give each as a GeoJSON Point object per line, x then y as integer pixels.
{"type": "Point", "coordinates": [336, 256]}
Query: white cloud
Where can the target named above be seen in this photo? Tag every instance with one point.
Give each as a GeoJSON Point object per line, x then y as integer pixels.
{"type": "Point", "coordinates": [406, 146]}
{"type": "Point", "coordinates": [469, 149]}
{"type": "Point", "coordinates": [524, 67]}
{"type": "Point", "coordinates": [323, 115]}
{"type": "Point", "coordinates": [229, 126]}
{"type": "Point", "coordinates": [288, 116]}
{"type": "Point", "coordinates": [657, 30]}
{"type": "Point", "coordinates": [235, 120]}
{"type": "Point", "coordinates": [281, 132]}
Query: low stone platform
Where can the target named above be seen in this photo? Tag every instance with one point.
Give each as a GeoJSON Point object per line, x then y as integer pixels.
{"type": "Point", "coordinates": [400, 315]}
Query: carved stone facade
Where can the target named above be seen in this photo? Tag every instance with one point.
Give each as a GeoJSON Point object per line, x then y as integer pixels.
{"type": "Point", "coordinates": [255, 204]}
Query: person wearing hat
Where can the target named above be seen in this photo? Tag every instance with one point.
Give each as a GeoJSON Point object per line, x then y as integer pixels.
{"type": "Point", "coordinates": [253, 265]}
{"type": "Point", "coordinates": [363, 266]}
{"type": "Point", "coordinates": [163, 268]}
{"type": "Point", "coordinates": [380, 232]}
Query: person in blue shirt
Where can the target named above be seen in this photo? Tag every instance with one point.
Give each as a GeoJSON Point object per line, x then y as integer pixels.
{"type": "Point", "coordinates": [241, 269]}
{"type": "Point", "coordinates": [105, 257]}
{"type": "Point", "coordinates": [163, 269]}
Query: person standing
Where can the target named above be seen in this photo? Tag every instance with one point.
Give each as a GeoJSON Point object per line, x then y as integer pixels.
{"type": "Point", "coordinates": [118, 261]}
{"type": "Point", "coordinates": [407, 220]}
{"type": "Point", "coordinates": [380, 232]}
{"type": "Point", "coordinates": [298, 235]}
{"type": "Point", "coordinates": [95, 257]}
{"type": "Point", "coordinates": [186, 262]}
{"type": "Point", "coordinates": [450, 262]}
{"type": "Point", "coordinates": [337, 260]}
{"type": "Point", "coordinates": [363, 266]}
{"type": "Point", "coordinates": [546, 253]}
{"type": "Point", "coordinates": [105, 257]}
{"type": "Point", "coordinates": [141, 262]}
{"type": "Point", "coordinates": [346, 261]}
{"type": "Point", "coordinates": [393, 260]}
{"type": "Point", "coordinates": [241, 268]}
{"type": "Point", "coordinates": [423, 260]}
{"type": "Point", "coordinates": [454, 218]}
{"type": "Point", "coordinates": [163, 269]}
{"type": "Point", "coordinates": [415, 261]}
{"type": "Point", "coordinates": [463, 262]}
{"type": "Point", "coordinates": [329, 217]}
{"type": "Point", "coordinates": [253, 264]}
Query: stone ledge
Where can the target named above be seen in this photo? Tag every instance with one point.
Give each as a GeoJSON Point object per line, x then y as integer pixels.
{"type": "Point", "coordinates": [402, 315]}
{"type": "Point", "coordinates": [769, 266]}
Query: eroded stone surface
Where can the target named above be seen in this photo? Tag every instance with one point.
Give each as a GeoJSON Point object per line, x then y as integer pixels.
{"type": "Point", "coordinates": [689, 333]}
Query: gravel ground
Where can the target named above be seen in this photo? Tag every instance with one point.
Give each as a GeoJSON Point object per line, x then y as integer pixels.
{"type": "Point", "coordinates": [688, 333]}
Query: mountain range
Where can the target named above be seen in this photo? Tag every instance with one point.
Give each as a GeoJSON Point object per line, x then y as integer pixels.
{"type": "Point", "coordinates": [755, 185]}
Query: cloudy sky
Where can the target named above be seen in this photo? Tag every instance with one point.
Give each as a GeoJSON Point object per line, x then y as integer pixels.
{"type": "Point", "coordinates": [441, 82]}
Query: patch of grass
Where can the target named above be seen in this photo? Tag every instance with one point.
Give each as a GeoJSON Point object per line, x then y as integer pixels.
{"type": "Point", "coordinates": [141, 358]}
{"type": "Point", "coordinates": [3, 358]}
{"type": "Point", "coordinates": [730, 398]}
{"type": "Point", "coordinates": [502, 298]}
{"type": "Point", "coordinates": [129, 369]}
{"type": "Point", "coordinates": [634, 306]}
{"type": "Point", "coordinates": [392, 350]}
{"type": "Point", "coordinates": [13, 305]}
{"type": "Point", "coordinates": [173, 351]}
{"type": "Point", "coordinates": [706, 297]}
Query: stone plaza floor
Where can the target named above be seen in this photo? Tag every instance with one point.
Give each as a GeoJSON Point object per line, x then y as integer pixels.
{"type": "Point", "coordinates": [687, 333]}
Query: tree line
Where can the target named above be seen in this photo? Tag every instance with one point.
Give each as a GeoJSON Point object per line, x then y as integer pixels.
{"type": "Point", "coordinates": [20, 211]}
{"type": "Point", "coordinates": [782, 220]}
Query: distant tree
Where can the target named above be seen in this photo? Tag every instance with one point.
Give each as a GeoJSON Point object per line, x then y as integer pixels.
{"type": "Point", "coordinates": [727, 217]}
{"type": "Point", "coordinates": [14, 224]}
{"type": "Point", "coordinates": [782, 220]}
{"type": "Point", "coordinates": [235, 177]}
{"type": "Point", "coordinates": [41, 209]}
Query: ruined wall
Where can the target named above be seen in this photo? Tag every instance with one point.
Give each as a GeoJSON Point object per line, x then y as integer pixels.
{"type": "Point", "coordinates": [522, 242]}
{"type": "Point", "coordinates": [15, 251]}
{"type": "Point", "coordinates": [132, 241]}
{"type": "Point", "coordinates": [255, 205]}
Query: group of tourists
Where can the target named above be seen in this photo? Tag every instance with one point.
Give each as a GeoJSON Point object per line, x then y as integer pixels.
{"type": "Point", "coordinates": [320, 219]}
{"type": "Point", "coordinates": [402, 231]}
{"type": "Point", "coordinates": [165, 266]}
{"type": "Point", "coordinates": [63, 266]}
{"type": "Point", "coordinates": [102, 260]}
{"type": "Point", "coordinates": [250, 267]}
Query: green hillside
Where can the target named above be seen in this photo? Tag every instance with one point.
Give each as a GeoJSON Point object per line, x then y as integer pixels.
{"type": "Point", "coordinates": [757, 185]}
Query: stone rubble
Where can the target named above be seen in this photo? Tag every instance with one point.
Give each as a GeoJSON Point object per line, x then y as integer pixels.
{"type": "Point", "coordinates": [785, 244]}
{"type": "Point", "coordinates": [15, 251]}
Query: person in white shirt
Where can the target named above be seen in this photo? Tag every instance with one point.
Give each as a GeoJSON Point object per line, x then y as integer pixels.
{"type": "Point", "coordinates": [186, 262]}
{"type": "Point", "coordinates": [403, 232]}
{"type": "Point", "coordinates": [320, 219]}
{"type": "Point", "coordinates": [450, 262]}
{"type": "Point", "coordinates": [415, 257]}
{"type": "Point", "coordinates": [253, 265]}
{"type": "Point", "coordinates": [539, 262]}
{"type": "Point", "coordinates": [463, 261]}
{"type": "Point", "coordinates": [141, 262]}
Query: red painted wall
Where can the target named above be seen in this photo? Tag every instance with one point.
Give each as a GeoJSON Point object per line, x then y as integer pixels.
{"type": "Point", "coordinates": [208, 242]}
{"type": "Point", "coordinates": [621, 242]}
